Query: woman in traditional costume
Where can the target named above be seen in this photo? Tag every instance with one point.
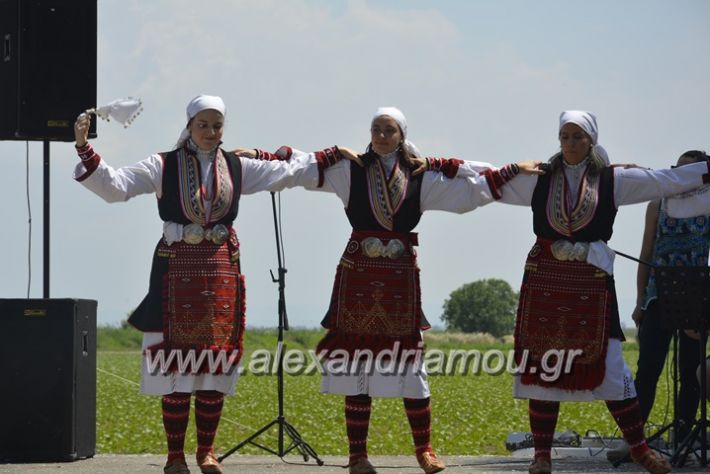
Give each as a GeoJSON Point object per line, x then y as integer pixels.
{"type": "Point", "coordinates": [375, 310]}
{"type": "Point", "coordinates": [195, 304]}
{"type": "Point", "coordinates": [568, 314]}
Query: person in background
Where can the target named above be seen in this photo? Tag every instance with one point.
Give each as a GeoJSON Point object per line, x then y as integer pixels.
{"type": "Point", "coordinates": [667, 241]}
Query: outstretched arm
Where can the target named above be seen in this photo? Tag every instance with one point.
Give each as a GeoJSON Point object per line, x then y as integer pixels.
{"type": "Point", "coordinates": [503, 188]}
{"type": "Point", "coordinates": [282, 154]}
{"type": "Point", "coordinates": [326, 170]}
{"type": "Point", "coordinates": [636, 185]}
{"type": "Point", "coordinates": [300, 169]}
{"type": "Point", "coordinates": [690, 204]}
{"type": "Point", "coordinates": [334, 173]}
{"type": "Point", "coordinates": [501, 179]}
{"type": "Point", "coordinates": [464, 194]}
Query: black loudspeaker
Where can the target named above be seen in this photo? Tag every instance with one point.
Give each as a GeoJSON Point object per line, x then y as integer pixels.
{"type": "Point", "coordinates": [47, 68]}
{"type": "Point", "coordinates": [48, 367]}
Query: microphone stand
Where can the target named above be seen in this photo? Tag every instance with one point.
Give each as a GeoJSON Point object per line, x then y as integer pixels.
{"type": "Point", "coordinates": [659, 433]}
{"type": "Point", "coordinates": [284, 426]}
{"type": "Point", "coordinates": [699, 431]}
{"type": "Point", "coordinates": [674, 367]}
{"type": "Point", "coordinates": [683, 296]}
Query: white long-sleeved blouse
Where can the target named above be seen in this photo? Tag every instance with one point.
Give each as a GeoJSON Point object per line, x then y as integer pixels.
{"type": "Point", "coordinates": [631, 185]}
{"type": "Point", "coordinates": [146, 176]}
{"type": "Point", "coordinates": [464, 193]}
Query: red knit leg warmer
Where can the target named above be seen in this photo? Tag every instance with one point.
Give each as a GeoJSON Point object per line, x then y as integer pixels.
{"type": "Point", "coordinates": [627, 414]}
{"type": "Point", "coordinates": [357, 421]}
{"type": "Point", "coordinates": [543, 419]}
{"type": "Point", "coordinates": [419, 415]}
{"type": "Point", "coordinates": [176, 413]}
{"type": "Point", "coordinates": [208, 411]}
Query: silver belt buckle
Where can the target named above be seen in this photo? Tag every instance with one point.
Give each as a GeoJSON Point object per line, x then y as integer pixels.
{"type": "Point", "coordinates": [193, 234]}
{"type": "Point", "coordinates": [373, 247]}
{"type": "Point", "coordinates": [218, 234]}
{"type": "Point", "coordinates": [565, 250]}
{"type": "Point", "coordinates": [394, 249]}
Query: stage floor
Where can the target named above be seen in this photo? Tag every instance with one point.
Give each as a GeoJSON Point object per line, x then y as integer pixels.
{"type": "Point", "coordinates": [123, 464]}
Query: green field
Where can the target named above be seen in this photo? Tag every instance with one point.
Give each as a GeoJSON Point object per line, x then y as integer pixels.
{"type": "Point", "coordinates": [472, 414]}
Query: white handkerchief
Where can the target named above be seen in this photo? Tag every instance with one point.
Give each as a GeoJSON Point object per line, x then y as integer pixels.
{"type": "Point", "coordinates": [123, 111]}
{"type": "Point", "coordinates": [172, 232]}
{"type": "Point", "coordinates": [601, 256]}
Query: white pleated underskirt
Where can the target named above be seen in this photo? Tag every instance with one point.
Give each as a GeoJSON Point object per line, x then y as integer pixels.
{"type": "Point", "coordinates": [410, 383]}
{"type": "Point", "coordinates": [160, 384]}
{"type": "Point", "coordinates": [618, 383]}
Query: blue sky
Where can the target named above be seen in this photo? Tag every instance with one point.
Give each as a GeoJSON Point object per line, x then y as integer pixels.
{"type": "Point", "coordinates": [477, 80]}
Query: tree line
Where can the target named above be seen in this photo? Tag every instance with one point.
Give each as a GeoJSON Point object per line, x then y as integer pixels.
{"type": "Point", "coordinates": [487, 305]}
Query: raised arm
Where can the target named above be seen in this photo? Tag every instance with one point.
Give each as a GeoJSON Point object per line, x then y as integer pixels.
{"type": "Point", "coordinates": [113, 185]}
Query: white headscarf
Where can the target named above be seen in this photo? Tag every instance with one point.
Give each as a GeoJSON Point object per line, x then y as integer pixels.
{"type": "Point", "coordinates": [398, 117]}
{"type": "Point", "coordinates": [197, 105]}
{"type": "Point", "coordinates": [587, 121]}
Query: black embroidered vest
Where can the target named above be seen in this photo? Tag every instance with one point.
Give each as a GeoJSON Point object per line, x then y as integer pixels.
{"type": "Point", "coordinates": [180, 197]}
{"type": "Point", "coordinates": [360, 212]}
{"type": "Point", "coordinates": [592, 217]}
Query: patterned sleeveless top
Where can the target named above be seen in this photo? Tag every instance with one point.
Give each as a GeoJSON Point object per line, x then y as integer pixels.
{"type": "Point", "coordinates": [679, 243]}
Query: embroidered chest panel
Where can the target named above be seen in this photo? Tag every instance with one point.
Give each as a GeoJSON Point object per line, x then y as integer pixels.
{"type": "Point", "coordinates": [567, 219]}
{"type": "Point", "coordinates": [194, 199]}
{"type": "Point", "coordinates": [386, 195]}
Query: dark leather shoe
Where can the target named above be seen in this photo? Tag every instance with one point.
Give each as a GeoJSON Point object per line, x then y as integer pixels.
{"type": "Point", "coordinates": [177, 466]}
{"type": "Point", "coordinates": [540, 466]}
{"type": "Point", "coordinates": [361, 466]}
